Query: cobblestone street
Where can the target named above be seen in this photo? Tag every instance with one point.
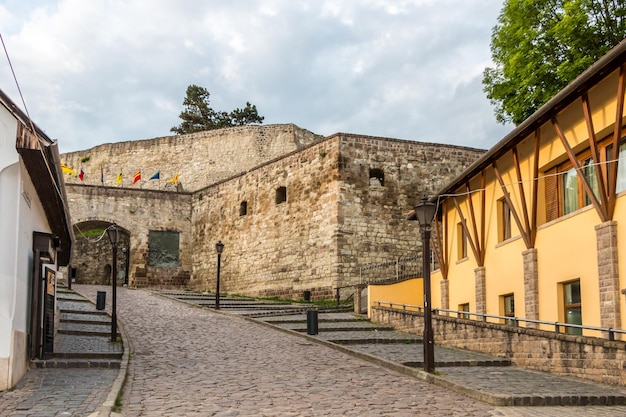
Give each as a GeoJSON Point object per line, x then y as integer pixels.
{"type": "Point", "coordinates": [189, 361]}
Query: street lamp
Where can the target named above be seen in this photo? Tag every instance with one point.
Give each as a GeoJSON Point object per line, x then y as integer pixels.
{"type": "Point", "coordinates": [126, 264]}
{"type": "Point", "coordinates": [219, 247]}
{"type": "Point", "coordinates": [114, 236]}
{"type": "Point", "coordinates": [424, 214]}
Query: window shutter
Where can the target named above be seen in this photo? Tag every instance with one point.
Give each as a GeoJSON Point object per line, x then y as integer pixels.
{"type": "Point", "coordinates": [552, 196]}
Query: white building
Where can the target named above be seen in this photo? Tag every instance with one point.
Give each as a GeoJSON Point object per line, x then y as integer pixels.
{"type": "Point", "coordinates": [35, 238]}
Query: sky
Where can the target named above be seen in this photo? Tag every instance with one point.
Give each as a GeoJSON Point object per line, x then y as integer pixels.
{"type": "Point", "coordinates": [103, 71]}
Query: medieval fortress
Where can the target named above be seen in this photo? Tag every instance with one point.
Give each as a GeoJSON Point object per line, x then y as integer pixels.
{"type": "Point", "coordinates": [296, 211]}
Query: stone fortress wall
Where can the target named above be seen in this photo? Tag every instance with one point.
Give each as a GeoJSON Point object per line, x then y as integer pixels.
{"type": "Point", "coordinates": [346, 203]}
{"type": "Point", "coordinates": [200, 159]}
{"type": "Point", "coordinates": [304, 220]}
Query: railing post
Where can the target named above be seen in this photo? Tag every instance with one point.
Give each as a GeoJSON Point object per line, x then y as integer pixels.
{"type": "Point", "coordinates": [556, 327]}
{"type": "Point", "coordinates": [611, 334]}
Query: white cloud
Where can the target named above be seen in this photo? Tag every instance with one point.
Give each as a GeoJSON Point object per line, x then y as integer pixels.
{"type": "Point", "coordinates": [112, 70]}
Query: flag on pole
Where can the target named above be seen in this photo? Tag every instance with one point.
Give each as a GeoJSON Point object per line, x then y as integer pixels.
{"type": "Point", "coordinates": [68, 170]}
{"type": "Point", "coordinates": [137, 177]}
{"type": "Point", "coordinates": [173, 180]}
{"type": "Point", "coordinates": [81, 175]}
{"type": "Point", "coordinates": [101, 175]}
{"type": "Point", "coordinates": [156, 176]}
{"type": "Point", "coordinates": [118, 180]}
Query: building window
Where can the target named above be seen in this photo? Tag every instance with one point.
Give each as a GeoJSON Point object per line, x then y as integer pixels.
{"type": "Point", "coordinates": [464, 307]}
{"type": "Point", "coordinates": [507, 306]}
{"type": "Point", "coordinates": [377, 177]}
{"type": "Point", "coordinates": [243, 208]}
{"type": "Point", "coordinates": [281, 195]}
{"type": "Point", "coordinates": [572, 306]}
{"type": "Point", "coordinates": [589, 171]}
{"type": "Point", "coordinates": [163, 249]}
{"type": "Point", "coordinates": [504, 220]}
{"type": "Point", "coordinates": [621, 165]}
{"type": "Point", "coordinates": [569, 194]}
{"type": "Point", "coordinates": [461, 242]}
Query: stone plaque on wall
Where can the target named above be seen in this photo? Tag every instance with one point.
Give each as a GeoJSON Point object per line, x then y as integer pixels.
{"type": "Point", "coordinates": [164, 249]}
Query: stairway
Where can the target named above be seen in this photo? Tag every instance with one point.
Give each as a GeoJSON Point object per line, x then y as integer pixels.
{"type": "Point", "coordinates": [83, 336]}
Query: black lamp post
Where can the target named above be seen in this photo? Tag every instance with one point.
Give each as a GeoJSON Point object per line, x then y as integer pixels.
{"type": "Point", "coordinates": [424, 214]}
{"type": "Point", "coordinates": [114, 236]}
{"type": "Point", "coordinates": [126, 264]}
{"type": "Point", "coordinates": [219, 247]}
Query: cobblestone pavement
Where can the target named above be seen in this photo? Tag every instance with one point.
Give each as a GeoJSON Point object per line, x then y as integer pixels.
{"type": "Point", "coordinates": [189, 361]}
{"type": "Point", "coordinates": [58, 392]}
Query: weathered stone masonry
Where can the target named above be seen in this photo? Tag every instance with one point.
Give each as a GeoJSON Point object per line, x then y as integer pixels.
{"type": "Point", "coordinates": [136, 212]}
{"type": "Point", "coordinates": [302, 221]}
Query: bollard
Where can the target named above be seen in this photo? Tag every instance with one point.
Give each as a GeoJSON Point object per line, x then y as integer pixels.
{"type": "Point", "coordinates": [311, 322]}
{"type": "Point", "coordinates": [101, 300]}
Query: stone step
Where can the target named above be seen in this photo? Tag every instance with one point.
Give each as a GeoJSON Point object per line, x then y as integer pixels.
{"type": "Point", "coordinates": [340, 329]}
{"type": "Point", "coordinates": [83, 312]}
{"type": "Point", "coordinates": [279, 321]}
{"type": "Point", "coordinates": [459, 363]}
{"type": "Point", "coordinates": [106, 363]}
{"type": "Point", "coordinates": [377, 341]}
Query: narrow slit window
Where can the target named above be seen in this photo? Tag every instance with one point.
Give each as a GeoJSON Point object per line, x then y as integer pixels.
{"type": "Point", "coordinates": [377, 177]}
{"type": "Point", "coordinates": [281, 195]}
{"type": "Point", "coordinates": [243, 208]}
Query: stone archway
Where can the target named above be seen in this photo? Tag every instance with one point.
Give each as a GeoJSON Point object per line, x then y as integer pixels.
{"type": "Point", "coordinates": [92, 253]}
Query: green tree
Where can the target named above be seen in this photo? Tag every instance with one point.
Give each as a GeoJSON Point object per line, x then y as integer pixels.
{"type": "Point", "coordinates": [539, 46]}
{"type": "Point", "coordinates": [198, 114]}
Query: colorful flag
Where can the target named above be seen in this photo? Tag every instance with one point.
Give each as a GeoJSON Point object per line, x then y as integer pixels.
{"type": "Point", "coordinates": [156, 176]}
{"type": "Point", "coordinates": [136, 177]}
{"type": "Point", "coordinates": [174, 180]}
{"type": "Point", "coordinates": [81, 175]}
{"type": "Point", "coordinates": [68, 170]}
{"type": "Point", "coordinates": [118, 180]}
{"type": "Point", "coordinates": [101, 175]}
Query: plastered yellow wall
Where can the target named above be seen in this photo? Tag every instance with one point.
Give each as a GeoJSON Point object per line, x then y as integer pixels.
{"type": "Point", "coordinates": [566, 247]}
{"type": "Point", "coordinates": [410, 292]}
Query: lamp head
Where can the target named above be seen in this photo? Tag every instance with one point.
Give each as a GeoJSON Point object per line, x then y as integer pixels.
{"type": "Point", "coordinates": [425, 212]}
{"type": "Point", "coordinates": [113, 232]}
{"type": "Point", "coordinates": [219, 247]}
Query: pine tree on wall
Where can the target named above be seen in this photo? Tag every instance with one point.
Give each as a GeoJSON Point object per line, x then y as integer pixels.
{"type": "Point", "coordinates": [198, 114]}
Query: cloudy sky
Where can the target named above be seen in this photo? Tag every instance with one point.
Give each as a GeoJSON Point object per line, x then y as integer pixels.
{"type": "Point", "coordinates": [101, 71]}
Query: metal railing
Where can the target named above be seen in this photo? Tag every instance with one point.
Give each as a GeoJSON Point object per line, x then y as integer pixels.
{"type": "Point", "coordinates": [510, 321]}
{"type": "Point", "coordinates": [391, 271]}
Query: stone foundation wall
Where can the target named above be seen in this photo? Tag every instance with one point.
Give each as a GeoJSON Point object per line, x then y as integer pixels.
{"type": "Point", "coordinates": [584, 357]}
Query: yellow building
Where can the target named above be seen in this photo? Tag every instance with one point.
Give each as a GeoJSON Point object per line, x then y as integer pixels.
{"type": "Point", "coordinates": [536, 228]}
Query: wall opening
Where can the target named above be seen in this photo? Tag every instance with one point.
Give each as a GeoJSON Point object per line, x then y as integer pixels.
{"type": "Point", "coordinates": [377, 177]}
{"type": "Point", "coordinates": [243, 208]}
{"type": "Point", "coordinates": [281, 195]}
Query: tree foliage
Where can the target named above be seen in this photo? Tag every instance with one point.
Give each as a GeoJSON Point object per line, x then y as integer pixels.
{"type": "Point", "coordinates": [539, 46]}
{"type": "Point", "coordinates": [198, 115]}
